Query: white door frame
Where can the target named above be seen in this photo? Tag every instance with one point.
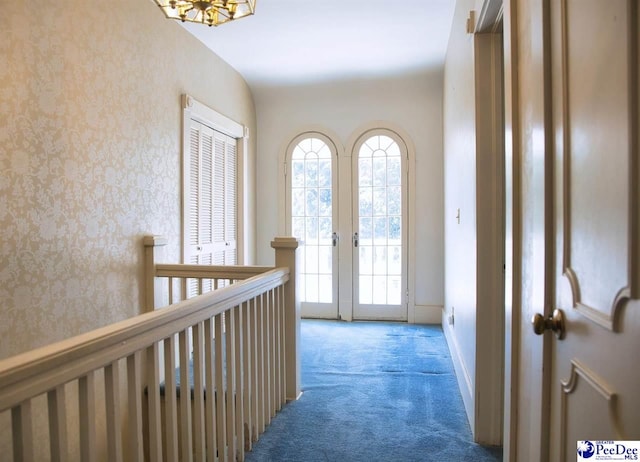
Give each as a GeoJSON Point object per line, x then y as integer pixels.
{"type": "Point", "coordinates": [513, 233]}
{"type": "Point", "coordinates": [490, 211]}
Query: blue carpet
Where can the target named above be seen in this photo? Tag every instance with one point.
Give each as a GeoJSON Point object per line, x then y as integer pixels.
{"type": "Point", "coordinates": [373, 392]}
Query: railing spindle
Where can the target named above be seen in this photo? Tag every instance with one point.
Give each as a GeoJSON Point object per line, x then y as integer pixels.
{"type": "Point", "coordinates": [185, 398]}
{"type": "Point", "coordinates": [87, 399]}
{"type": "Point", "coordinates": [239, 367]}
{"type": "Point", "coordinates": [283, 351]}
{"type": "Point", "coordinates": [112, 407]}
{"type": "Point", "coordinates": [254, 368]}
{"type": "Point", "coordinates": [198, 392]}
{"type": "Point", "coordinates": [221, 414]}
{"type": "Point", "coordinates": [210, 399]}
{"type": "Point", "coordinates": [260, 382]}
{"type": "Point", "coordinates": [153, 398]}
{"type": "Point", "coordinates": [134, 385]}
{"type": "Point", "coordinates": [229, 320]}
{"type": "Point", "coordinates": [248, 361]}
{"type": "Point", "coordinates": [278, 362]}
{"type": "Point", "coordinates": [170, 401]}
{"type": "Point", "coordinates": [57, 424]}
{"type": "Point", "coordinates": [268, 363]}
{"type": "Point", "coordinates": [274, 354]}
{"type": "Point", "coordinates": [22, 432]}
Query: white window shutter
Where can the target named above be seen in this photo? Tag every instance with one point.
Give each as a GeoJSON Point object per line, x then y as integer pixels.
{"type": "Point", "coordinates": [192, 190]}
{"type": "Point", "coordinates": [219, 199]}
{"type": "Point", "coordinates": [210, 200]}
{"type": "Point", "coordinates": [231, 205]}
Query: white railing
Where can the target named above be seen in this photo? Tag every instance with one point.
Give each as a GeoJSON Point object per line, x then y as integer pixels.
{"type": "Point", "coordinates": [118, 393]}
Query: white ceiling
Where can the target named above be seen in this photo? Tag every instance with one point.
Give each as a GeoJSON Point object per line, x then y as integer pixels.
{"type": "Point", "coordinates": [298, 41]}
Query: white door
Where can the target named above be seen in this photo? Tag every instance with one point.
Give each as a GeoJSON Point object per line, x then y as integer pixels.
{"type": "Point", "coordinates": [311, 217]}
{"type": "Point", "coordinates": [595, 381]}
{"type": "Point", "coordinates": [577, 128]}
{"type": "Point", "coordinates": [379, 222]}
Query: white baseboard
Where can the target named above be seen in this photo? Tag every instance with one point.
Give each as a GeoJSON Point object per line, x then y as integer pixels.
{"type": "Point", "coordinates": [462, 375]}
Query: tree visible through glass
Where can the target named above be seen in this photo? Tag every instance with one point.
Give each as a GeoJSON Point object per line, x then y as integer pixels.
{"type": "Point", "coordinates": [311, 217]}
{"type": "Point", "coordinates": [380, 222]}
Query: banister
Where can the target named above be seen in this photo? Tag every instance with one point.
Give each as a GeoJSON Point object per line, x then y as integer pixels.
{"type": "Point", "coordinates": [33, 373]}
{"type": "Point", "coordinates": [248, 314]}
{"type": "Point", "coordinates": [209, 271]}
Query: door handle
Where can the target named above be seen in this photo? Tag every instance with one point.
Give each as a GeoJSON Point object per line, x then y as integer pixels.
{"type": "Point", "coordinates": [334, 238]}
{"type": "Point", "coordinates": [554, 323]}
{"type": "Point", "coordinates": [355, 239]}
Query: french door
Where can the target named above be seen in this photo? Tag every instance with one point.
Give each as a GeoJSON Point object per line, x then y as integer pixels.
{"type": "Point", "coordinates": [312, 218]}
{"type": "Point", "coordinates": [379, 221]}
{"type": "Point", "coordinates": [376, 229]}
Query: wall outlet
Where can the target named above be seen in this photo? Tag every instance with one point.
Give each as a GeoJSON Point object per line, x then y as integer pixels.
{"type": "Point", "coordinates": [451, 317]}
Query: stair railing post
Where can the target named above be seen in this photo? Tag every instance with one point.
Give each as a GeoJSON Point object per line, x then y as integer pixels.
{"type": "Point", "coordinates": [287, 256]}
{"type": "Point", "coordinates": [152, 288]}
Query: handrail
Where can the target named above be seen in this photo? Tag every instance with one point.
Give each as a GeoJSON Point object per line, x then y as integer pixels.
{"type": "Point", "coordinates": [30, 374]}
{"type": "Point", "coordinates": [209, 271]}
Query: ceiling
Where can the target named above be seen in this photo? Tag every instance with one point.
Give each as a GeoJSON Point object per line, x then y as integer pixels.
{"type": "Point", "coordinates": [299, 41]}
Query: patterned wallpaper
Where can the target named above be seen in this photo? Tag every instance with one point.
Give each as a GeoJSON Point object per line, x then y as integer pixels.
{"type": "Point", "coordinates": [90, 157]}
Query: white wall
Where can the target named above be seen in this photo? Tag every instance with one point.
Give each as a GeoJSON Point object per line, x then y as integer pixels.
{"type": "Point", "coordinates": [474, 242]}
{"type": "Point", "coordinates": [412, 102]}
{"type": "Point", "coordinates": [460, 194]}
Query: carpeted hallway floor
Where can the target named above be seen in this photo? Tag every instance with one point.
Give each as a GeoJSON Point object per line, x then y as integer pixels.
{"type": "Point", "coordinates": [373, 392]}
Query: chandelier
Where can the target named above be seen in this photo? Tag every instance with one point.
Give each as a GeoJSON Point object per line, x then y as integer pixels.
{"type": "Point", "coordinates": [210, 12]}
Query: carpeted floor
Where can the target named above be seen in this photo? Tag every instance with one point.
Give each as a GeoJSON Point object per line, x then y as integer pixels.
{"type": "Point", "coordinates": [373, 392]}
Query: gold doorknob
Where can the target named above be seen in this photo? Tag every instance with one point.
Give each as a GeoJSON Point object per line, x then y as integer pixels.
{"type": "Point", "coordinates": [555, 323]}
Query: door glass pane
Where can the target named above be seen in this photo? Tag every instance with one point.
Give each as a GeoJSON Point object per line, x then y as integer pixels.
{"type": "Point", "coordinates": [312, 217]}
{"type": "Point", "coordinates": [380, 222]}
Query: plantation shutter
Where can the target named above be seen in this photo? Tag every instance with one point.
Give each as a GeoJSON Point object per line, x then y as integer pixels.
{"type": "Point", "coordinates": [210, 197]}
{"type": "Point", "coordinates": [225, 200]}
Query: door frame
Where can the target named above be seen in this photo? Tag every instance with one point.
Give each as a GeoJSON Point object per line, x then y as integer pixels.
{"type": "Point", "coordinates": [490, 223]}
{"type": "Point", "coordinates": [513, 233]}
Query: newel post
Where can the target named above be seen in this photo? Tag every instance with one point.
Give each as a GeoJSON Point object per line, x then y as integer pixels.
{"type": "Point", "coordinates": [286, 256]}
{"type": "Point", "coordinates": [152, 291]}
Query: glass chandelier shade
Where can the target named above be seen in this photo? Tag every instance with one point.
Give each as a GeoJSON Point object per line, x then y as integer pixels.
{"type": "Point", "coordinates": [209, 12]}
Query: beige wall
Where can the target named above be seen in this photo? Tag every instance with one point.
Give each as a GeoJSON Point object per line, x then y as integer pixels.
{"type": "Point", "coordinates": [412, 102]}
{"type": "Point", "coordinates": [90, 136]}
